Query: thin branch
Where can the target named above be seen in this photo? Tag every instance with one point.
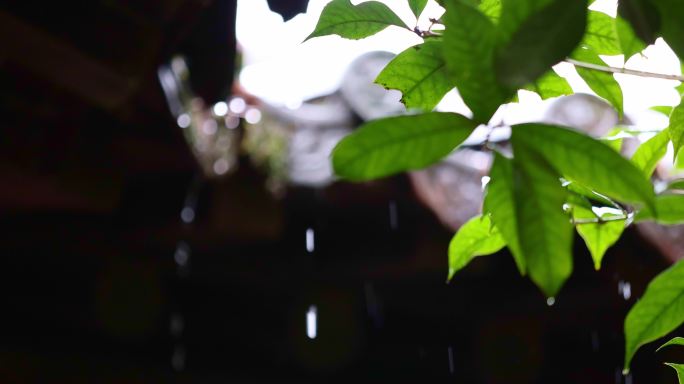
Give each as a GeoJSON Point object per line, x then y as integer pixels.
{"type": "Point", "coordinates": [624, 71]}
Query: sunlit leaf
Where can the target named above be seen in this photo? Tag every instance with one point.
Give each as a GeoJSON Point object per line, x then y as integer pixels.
{"type": "Point", "coordinates": [649, 153]}
{"type": "Point", "coordinates": [589, 162]}
{"type": "Point", "coordinates": [500, 202]}
{"type": "Point", "coordinates": [544, 229]}
{"type": "Point", "coordinates": [604, 84]}
{"type": "Point", "coordinates": [341, 17]}
{"type": "Point", "coordinates": [664, 109]}
{"type": "Point", "coordinates": [395, 144]}
{"type": "Point", "coordinates": [598, 236]}
{"type": "Point", "coordinates": [674, 341]}
{"type": "Point", "coordinates": [581, 190]}
{"type": "Point", "coordinates": [657, 313]}
{"type": "Point", "coordinates": [550, 85]}
{"type": "Point", "coordinates": [469, 42]}
{"type": "Point", "coordinates": [676, 128]}
{"type": "Point", "coordinates": [679, 368]}
{"type": "Point", "coordinates": [477, 237]}
{"type": "Point", "coordinates": [417, 6]}
{"type": "Point", "coordinates": [669, 210]}
{"type": "Point", "coordinates": [614, 139]}
{"type": "Point", "coordinates": [601, 35]}
{"type": "Point", "coordinates": [630, 43]}
{"type": "Point", "coordinates": [492, 9]}
{"type": "Point", "coordinates": [420, 74]}
{"type": "Point", "coordinates": [545, 38]}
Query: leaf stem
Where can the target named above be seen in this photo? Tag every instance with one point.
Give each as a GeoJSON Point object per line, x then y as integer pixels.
{"type": "Point", "coordinates": [598, 220]}
{"type": "Point", "coordinates": [624, 71]}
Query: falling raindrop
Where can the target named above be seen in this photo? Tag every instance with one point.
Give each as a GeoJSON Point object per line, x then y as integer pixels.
{"type": "Point", "coordinates": [178, 358]}
{"type": "Point", "coordinates": [183, 120]}
{"type": "Point", "coordinates": [372, 304]}
{"type": "Point", "coordinates": [450, 352]}
{"type": "Point", "coordinates": [182, 254]}
{"type": "Point", "coordinates": [312, 322]}
{"type": "Point", "coordinates": [594, 341]}
{"type": "Point", "coordinates": [551, 301]}
{"type": "Point", "coordinates": [237, 105]}
{"type": "Point", "coordinates": [220, 108]}
{"type": "Point", "coordinates": [393, 215]}
{"type": "Point", "coordinates": [188, 215]}
{"type": "Point", "coordinates": [625, 289]}
{"type": "Point", "coordinates": [310, 246]}
{"type": "Point", "coordinates": [176, 325]}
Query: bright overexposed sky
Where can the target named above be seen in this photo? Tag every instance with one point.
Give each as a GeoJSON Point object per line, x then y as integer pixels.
{"type": "Point", "coordinates": [283, 70]}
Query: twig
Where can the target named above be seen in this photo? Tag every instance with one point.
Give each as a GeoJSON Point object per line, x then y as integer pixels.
{"type": "Point", "coordinates": [624, 71]}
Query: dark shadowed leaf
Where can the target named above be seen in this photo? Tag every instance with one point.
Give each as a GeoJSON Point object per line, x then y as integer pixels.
{"type": "Point", "coordinates": [477, 237]}
{"type": "Point", "coordinates": [387, 146]}
{"type": "Point", "coordinates": [649, 153]}
{"type": "Point", "coordinates": [544, 229]}
{"type": "Point", "coordinates": [417, 6]}
{"type": "Point", "coordinates": [671, 27]}
{"type": "Point", "coordinates": [604, 84]}
{"type": "Point", "coordinates": [341, 17]}
{"type": "Point", "coordinates": [420, 74]}
{"type": "Point", "coordinates": [515, 12]}
{"type": "Point", "coordinates": [589, 162]}
{"type": "Point", "coordinates": [545, 38]}
{"type": "Point", "coordinates": [643, 16]}
{"type": "Point", "coordinates": [469, 43]}
{"type": "Point", "coordinates": [657, 313]}
{"type": "Point", "coordinates": [598, 236]}
{"type": "Point", "coordinates": [677, 185]}
{"type": "Point", "coordinates": [500, 202]}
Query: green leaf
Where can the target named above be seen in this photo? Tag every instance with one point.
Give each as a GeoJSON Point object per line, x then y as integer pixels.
{"type": "Point", "coordinates": [649, 153]}
{"type": "Point", "coordinates": [664, 109]}
{"type": "Point", "coordinates": [674, 341]}
{"type": "Point", "coordinates": [630, 43]}
{"type": "Point", "coordinates": [680, 371]}
{"type": "Point", "coordinates": [669, 210]}
{"type": "Point", "coordinates": [671, 28]}
{"type": "Point", "coordinates": [550, 85]}
{"type": "Point", "coordinates": [677, 184]}
{"type": "Point", "coordinates": [657, 313]}
{"type": "Point", "coordinates": [420, 74]}
{"type": "Point", "coordinates": [544, 230]}
{"type": "Point", "coordinates": [469, 42]}
{"type": "Point", "coordinates": [614, 139]}
{"type": "Point", "coordinates": [676, 128]}
{"type": "Point", "coordinates": [477, 237]}
{"type": "Point", "coordinates": [601, 35]}
{"type": "Point", "coordinates": [545, 38]}
{"type": "Point", "coordinates": [581, 190]}
{"type": "Point", "coordinates": [417, 6]}
{"type": "Point", "coordinates": [515, 12]}
{"type": "Point", "coordinates": [387, 146]}
{"type": "Point", "coordinates": [491, 9]}
{"type": "Point", "coordinates": [643, 16]}
{"type": "Point", "coordinates": [589, 162]}
{"type": "Point", "coordinates": [341, 17]}
{"type": "Point", "coordinates": [500, 203]}
{"type": "Point", "coordinates": [604, 84]}
{"type": "Point", "coordinates": [598, 236]}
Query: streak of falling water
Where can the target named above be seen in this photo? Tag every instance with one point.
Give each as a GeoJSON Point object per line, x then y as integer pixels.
{"type": "Point", "coordinates": [372, 304]}
{"type": "Point", "coordinates": [450, 353]}
{"type": "Point", "coordinates": [310, 240]}
{"type": "Point", "coordinates": [551, 301]}
{"type": "Point", "coordinates": [312, 322]}
{"type": "Point", "coordinates": [393, 215]}
{"type": "Point", "coordinates": [176, 325]}
{"type": "Point", "coordinates": [594, 341]}
{"type": "Point", "coordinates": [178, 358]}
